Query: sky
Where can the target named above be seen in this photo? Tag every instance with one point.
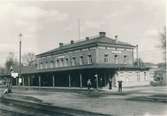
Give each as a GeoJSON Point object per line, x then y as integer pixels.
{"type": "Point", "coordinates": [45, 23]}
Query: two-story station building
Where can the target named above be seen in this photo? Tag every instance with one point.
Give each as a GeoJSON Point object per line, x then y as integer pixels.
{"type": "Point", "coordinates": [100, 57]}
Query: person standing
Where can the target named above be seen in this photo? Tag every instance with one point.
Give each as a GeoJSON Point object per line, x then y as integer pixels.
{"type": "Point", "coordinates": [89, 84]}
{"type": "Point", "coordinates": [110, 83]}
{"type": "Point", "coordinates": [120, 86]}
{"type": "Point", "coordinates": [101, 82]}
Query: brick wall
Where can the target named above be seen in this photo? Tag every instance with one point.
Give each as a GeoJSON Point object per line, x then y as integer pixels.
{"type": "Point", "coordinates": [111, 55]}
{"type": "Point", "coordinates": [46, 61]}
{"type": "Point", "coordinates": [133, 78]}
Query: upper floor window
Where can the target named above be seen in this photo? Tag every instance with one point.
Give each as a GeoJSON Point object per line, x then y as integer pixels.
{"type": "Point", "coordinates": [55, 63]}
{"type": "Point", "coordinates": [51, 64]}
{"type": "Point", "coordinates": [45, 65]}
{"type": "Point", "coordinates": [73, 61]}
{"type": "Point", "coordinates": [90, 61]}
{"type": "Point", "coordinates": [66, 62]}
{"type": "Point", "coordinates": [106, 59]}
{"type": "Point", "coordinates": [62, 62]}
{"type": "Point", "coordinates": [145, 76]}
{"type": "Point", "coordinates": [138, 76]}
{"type": "Point", "coordinates": [116, 59]}
{"type": "Point", "coordinates": [58, 63]}
{"type": "Point", "coordinates": [41, 66]}
{"type": "Point", "coordinates": [125, 59]}
{"type": "Point", "coordinates": [81, 61]}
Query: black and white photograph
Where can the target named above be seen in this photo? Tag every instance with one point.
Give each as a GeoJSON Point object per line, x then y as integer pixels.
{"type": "Point", "coordinates": [83, 58]}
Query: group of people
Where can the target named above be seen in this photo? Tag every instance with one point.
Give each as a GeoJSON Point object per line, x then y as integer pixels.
{"type": "Point", "coordinates": [89, 84]}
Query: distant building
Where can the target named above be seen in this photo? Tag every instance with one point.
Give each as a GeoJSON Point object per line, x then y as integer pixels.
{"type": "Point", "coordinates": [71, 65]}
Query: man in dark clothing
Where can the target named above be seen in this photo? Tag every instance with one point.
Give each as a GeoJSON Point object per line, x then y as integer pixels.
{"type": "Point", "coordinates": [110, 83]}
{"type": "Point", "coordinates": [101, 82]}
{"type": "Point", "coordinates": [89, 84]}
{"type": "Point", "coordinates": [120, 86]}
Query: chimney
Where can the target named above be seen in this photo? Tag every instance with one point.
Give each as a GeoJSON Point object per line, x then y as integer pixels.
{"type": "Point", "coordinates": [116, 37]}
{"type": "Point", "coordinates": [60, 44]}
{"type": "Point", "coordinates": [72, 41]}
{"type": "Point", "coordinates": [102, 34]}
{"type": "Point", "coordinates": [87, 38]}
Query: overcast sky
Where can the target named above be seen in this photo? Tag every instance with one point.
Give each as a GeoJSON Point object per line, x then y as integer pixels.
{"type": "Point", "coordinates": [46, 23]}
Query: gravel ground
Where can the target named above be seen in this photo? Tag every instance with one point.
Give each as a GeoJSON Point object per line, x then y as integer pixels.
{"type": "Point", "coordinates": [105, 102]}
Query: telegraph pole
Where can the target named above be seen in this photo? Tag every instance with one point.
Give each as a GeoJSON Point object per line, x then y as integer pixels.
{"type": "Point", "coordinates": [79, 30]}
{"type": "Point", "coordinates": [137, 55]}
{"type": "Point", "coordinates": [20, 43]}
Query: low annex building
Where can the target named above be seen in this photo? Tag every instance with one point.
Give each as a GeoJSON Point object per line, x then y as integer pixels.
{"type": "Point", "coordinates": [98, 57]}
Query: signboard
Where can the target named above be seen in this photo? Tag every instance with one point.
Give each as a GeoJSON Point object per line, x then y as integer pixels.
{"type": "Point", "coordinates": [14, 75]}
{"type": "Point", "coordinates": [20, 80]}
{"type": "Point", "coordinates": [61, 57]}
{"type": "Point", "coordinates": [117, 52]}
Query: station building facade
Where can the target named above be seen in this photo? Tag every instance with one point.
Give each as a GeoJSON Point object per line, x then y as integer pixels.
{"type": "Point", "coordinates": [97, 58]}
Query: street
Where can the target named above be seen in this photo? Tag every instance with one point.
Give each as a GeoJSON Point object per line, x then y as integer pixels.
{"type": "Point", "coordinates": [103, 101]}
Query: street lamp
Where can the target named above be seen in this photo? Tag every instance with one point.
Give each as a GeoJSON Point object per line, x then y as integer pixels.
{"type": "Point", "coordinates": [20, 43]}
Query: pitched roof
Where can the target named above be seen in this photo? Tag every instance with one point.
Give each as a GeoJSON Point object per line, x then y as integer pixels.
{"type": "Point", "coordinates": [94, 40]}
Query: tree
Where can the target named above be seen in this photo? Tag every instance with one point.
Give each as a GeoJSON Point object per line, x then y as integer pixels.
{"type": "Point", "coordinates": [2, 70]}
{"type": "Point", "coordinates": [139, 62]}
{"type": "Point", "coordinates": [28, 59]}
{"type": "Point", "coordinates": [163, 43]}
{"type": "Point", "coordinates": [10, 62]}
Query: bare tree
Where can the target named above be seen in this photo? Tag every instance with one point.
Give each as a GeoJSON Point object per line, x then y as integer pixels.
{"type": "Point", "coordinates": [163, 43]}
{"type": "Point", "coordinates": [10, 62]}
{"type": "Point", "coordinates": [139, 62]}
{"type": "Point", "coordinates": [2, 70]}
{"type": "Point", "coordinates": [28, 59]}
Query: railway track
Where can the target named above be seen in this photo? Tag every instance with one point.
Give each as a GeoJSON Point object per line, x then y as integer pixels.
{"type": "Point", "coordinates": [24, 108]}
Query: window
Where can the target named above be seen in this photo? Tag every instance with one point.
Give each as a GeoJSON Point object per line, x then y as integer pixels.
{"type": "Point", "coordinates": [52, 64]}
{"type": "Point", "coordinates": [145, 76]}
{"type": "Point", "coordinates": [127, 79]}
{"type": "Point", "coordinates": [106, 58]}
{"type": "Point", "coordinates": [125, 59]}
{"type": "Point", "coordinates": [62, 62]}
{"type": "Point", "coordinates": [55, 63]}
{"type": "Point", "coordinates": [49, 65]}
{"type": "Point", "coordinates": [46, 65]}
{"type": "Point", "coordinates": [81, 61]}
{"type": "Point", "coordinates": [41, 66]}
{"type": "Point", "coordinates": [58, 63]}
{"type": "Point", "coordinates": [138, 76]}
{"type": "Point", "coordinates": [73, 61]}
{"type": "Point", "coordinates": [66, 63]}
{"type": "Point", "coordinates": [90, 59]}
{"type": "Point", "coordinates": [116, 59]}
